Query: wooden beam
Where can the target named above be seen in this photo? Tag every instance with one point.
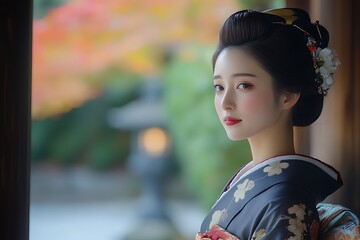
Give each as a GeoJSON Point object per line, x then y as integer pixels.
{"type": "Point", "coordinates": [15, 116]}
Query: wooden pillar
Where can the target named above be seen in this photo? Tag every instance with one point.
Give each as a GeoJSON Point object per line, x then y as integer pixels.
{"type": "Point", "coordinates": [336, 136]}
{"type": "Point", "coordinates": [326, 132]}
{"type": "Point", "coordinates": [15, 101]}
{"type": "Point", "coordinates": [348, 44]}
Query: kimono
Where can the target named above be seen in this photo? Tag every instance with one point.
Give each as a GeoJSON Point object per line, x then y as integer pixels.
{"type": "Point", "coordinates": [276, 199]}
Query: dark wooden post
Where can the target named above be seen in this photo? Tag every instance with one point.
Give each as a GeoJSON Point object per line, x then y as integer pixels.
{"type": "Point", "coordinates": [335, 137]}
{"type": "Point", "coordinates": [303, 4]}
{"type": "Point", "coordinates": [347, 44]}
{"type": "Point", "coordinates": [15, 115]}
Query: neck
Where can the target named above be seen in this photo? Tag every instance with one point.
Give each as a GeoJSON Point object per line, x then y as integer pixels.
{"type": "Point", "coordinates": [278, 140]}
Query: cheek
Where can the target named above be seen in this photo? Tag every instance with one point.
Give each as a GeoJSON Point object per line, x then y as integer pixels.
{"type": "Point", "coordinates": [217, 103]}
{"type": "Point", "coordinates": [257, 104]}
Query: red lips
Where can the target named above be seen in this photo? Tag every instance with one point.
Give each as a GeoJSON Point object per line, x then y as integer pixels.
{"type": "Point", "coordinates": [231, 121]}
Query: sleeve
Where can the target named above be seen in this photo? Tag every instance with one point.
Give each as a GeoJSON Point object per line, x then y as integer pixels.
{"type": "Point", "coordinates": [284, 211]}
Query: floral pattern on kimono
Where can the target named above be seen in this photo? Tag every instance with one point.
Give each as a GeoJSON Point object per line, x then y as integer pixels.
{"type": "Point", "coordinates": [275, 200]}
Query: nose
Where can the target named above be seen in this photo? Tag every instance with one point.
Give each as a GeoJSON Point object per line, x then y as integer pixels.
{"type": "Point", "coordinates": [227, 102]}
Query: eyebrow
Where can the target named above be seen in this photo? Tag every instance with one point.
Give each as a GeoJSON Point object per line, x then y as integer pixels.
{"type": "Point", "coordinates": [236, 75]}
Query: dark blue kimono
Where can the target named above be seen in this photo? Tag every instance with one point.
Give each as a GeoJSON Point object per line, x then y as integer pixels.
{"type": "Point", "coordinates": [275, 200]}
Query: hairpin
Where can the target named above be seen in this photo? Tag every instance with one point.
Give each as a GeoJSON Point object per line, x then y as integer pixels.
{"type": "Point", "coordinates": [324, 60]}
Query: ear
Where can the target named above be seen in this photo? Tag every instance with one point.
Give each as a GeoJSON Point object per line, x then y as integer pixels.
{"type": "Point", "coordinates": [288, 99]}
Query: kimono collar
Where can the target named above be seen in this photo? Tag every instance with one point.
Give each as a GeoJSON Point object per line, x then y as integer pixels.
{"type": "Point", "coordinates": [329, 170]}
{"type": "Point", "coordinates": [310, 174]}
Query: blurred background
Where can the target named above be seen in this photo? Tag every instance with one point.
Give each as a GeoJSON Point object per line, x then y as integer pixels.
{"type": "Point", "coordinates": [125, 141]}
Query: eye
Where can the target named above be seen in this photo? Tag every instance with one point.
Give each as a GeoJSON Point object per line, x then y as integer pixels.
{"type": "Point", "coordinates": [244, 86]}
{"type": "Point", "coordinates": [218, 88]}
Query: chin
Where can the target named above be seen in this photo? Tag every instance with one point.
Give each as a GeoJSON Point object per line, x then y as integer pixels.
{"type": "Point", "coordinates": [234, 137]}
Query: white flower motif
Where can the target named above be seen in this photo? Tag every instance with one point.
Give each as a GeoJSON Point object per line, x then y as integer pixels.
{"type": "Point", "coordinates": [324, 86]}
{"type": "Point", "coordinates": [218, 216]}
{"type": "Point", "coordinates": [295, 238]}
{"type": "Point", "coordinates": [298, 210]}
{"type": "Point", "coordinates": [328, 80]}
{"type": "Point", "coordinates": [297, 227]}
{"type": "Point", "coordinates": [324, 71]}
{"type": "Point", "coordinates": [242, 188]}
{"type": "Point", "coordinates": [325, 53]}
{"type": "Point", "coordinates": [258, 235]}
{"type": "Point", "coordinates": [275, 168]}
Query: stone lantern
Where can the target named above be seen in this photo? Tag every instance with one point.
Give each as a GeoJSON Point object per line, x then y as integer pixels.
{"type": "Point", "coordinates": [149, 159]}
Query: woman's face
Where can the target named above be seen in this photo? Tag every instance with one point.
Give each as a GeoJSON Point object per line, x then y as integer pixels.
{"type": "Point", "coordinates": [245, 100]}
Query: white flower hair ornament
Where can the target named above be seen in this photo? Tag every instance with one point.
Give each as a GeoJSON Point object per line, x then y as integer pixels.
{"type": "Point", "coordinates": [326, 65]}
{"type": "Point", "coordinates": [325, 61]}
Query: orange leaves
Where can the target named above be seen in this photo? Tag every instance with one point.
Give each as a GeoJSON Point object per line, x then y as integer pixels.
{"type": "Point", "coordinates": [86, 37]}
{"type": "Point", "coordinates": [58, 96]}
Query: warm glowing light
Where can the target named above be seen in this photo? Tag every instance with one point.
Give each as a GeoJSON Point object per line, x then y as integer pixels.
{"type": "Point", "coordinates": [155, 141]}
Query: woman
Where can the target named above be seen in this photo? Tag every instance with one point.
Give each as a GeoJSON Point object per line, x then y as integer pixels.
{"type": "Point", "coordinates": [271, 72]}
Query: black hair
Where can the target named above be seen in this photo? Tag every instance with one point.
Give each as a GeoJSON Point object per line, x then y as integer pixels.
{"type": "Point", "coordinates": [281, 49]}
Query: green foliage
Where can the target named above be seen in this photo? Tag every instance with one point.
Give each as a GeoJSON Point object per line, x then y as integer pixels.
{"type": "Point", "coordinates": [83, 136]}
{"type": "Point", "coordinates": [107, 153]}
{"type": "Point", "coordinates": [207, 157]}
{"type": "Point", "coordinates": [41, 7]}
{"type": "Point", "coordinates": [261, 5]}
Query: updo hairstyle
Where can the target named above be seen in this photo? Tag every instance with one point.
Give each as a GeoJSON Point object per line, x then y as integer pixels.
{"type": "Point", "coordinates": [281, 50]}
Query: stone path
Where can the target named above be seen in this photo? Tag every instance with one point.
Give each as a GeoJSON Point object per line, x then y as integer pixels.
{"type": "Point", "coordinates": [83, 205]}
